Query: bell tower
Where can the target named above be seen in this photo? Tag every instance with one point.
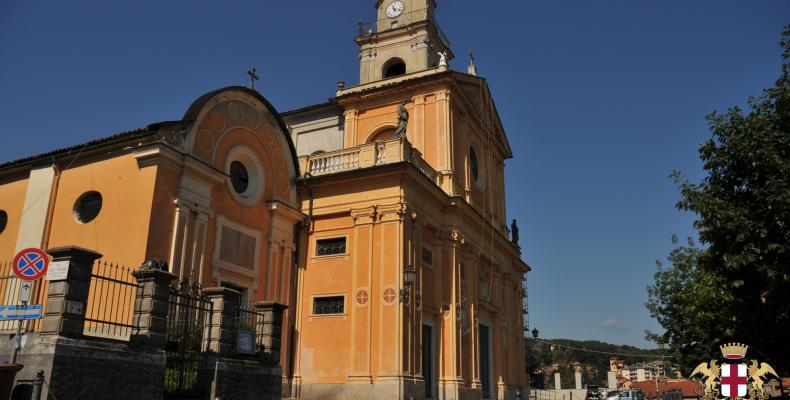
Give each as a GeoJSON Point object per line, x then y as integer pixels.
{"type": "Point", "coordinates": [404, 39]}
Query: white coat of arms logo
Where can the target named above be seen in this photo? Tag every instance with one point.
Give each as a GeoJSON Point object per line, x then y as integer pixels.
{"type": "Point", "coordinates": [734, 379]}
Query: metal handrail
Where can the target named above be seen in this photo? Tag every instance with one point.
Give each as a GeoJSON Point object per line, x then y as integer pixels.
{"type": "Point", "coordinates": [383, 25]}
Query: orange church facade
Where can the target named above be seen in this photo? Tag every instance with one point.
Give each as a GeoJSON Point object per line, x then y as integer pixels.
{"type": "Point", "coordinates": [392, 253]}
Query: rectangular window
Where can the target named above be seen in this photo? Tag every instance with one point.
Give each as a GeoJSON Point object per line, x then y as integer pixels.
{"type": "Point", "coordinates": [328, 305]}
{"type": "Point", "coordinates": [330, 247]}
{"type": "Point", "coordinates": [427, 256]}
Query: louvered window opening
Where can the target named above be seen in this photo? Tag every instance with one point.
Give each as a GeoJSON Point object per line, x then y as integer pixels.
{"type": "Point", "coordinates": [329, 247]}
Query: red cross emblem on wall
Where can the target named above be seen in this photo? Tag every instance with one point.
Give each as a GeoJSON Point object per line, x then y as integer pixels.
{"type": "Point", "coordinates": [734, 380]}
{"type": "Point", "coordinates": [362, 297]}
{"type": "Point", "coordinates": [390, 295]}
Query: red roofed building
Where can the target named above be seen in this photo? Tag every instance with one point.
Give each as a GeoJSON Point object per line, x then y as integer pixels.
{"type": "Point", "coordinates": [689, 389]}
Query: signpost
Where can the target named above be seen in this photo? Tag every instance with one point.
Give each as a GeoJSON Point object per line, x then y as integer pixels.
{"type": "Point", "coordinates": [29, 266]}
{"type": "Point", "coordinates": [24, 291]}
{"type": "Point", "coordinates": [20, 313]}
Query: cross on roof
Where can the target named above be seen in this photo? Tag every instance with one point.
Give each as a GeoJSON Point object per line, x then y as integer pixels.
{"type": "Point", "coordinates": [253, 77]}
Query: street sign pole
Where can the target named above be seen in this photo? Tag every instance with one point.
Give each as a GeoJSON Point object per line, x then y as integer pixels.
{"type": "Point", "coordinates": [18, 338]}
{"type": "Point", "coordinates": [29, 266]}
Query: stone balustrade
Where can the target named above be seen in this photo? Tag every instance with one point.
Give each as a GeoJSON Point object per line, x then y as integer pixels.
{"type": "Point", "coordinates": [366, 156]}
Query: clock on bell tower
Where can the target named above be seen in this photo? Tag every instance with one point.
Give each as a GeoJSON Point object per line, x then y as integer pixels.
{"type": "Point", "coordinates": [405, 38]}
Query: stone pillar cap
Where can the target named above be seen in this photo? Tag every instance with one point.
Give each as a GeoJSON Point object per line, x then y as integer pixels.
{"type": "Point", "coordinates": [272, 304]}
{"type": "Point", "coordinates": [221, 291]}
{"type": "Point", "coordinates": [65, 252]}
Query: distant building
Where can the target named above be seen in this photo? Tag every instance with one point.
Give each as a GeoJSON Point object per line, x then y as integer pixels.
{"type": "Point", "coordinates": [689, 389]}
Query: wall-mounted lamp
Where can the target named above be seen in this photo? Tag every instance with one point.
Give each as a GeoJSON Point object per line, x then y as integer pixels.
{"type": "Point", "coordinates": [409, 274]}
{"type": "Point", "coordinates": [535, 333]}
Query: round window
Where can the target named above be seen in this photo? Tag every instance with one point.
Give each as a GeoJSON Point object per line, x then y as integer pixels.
{"type": "Point", "coordinates": [87, 207]}
{"type": "Point", "coordinates": [239, 177]}
{"type": "Point", "coordinates": [3, 220]}
{"type": "Point", "coordinates": [246, 178]}
{"type": "Point", "coordinates": [473, 164]}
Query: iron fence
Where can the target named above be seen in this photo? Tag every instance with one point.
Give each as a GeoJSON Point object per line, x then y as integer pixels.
{"type": "Point", "coordinates": [249, 329]}
{"type": "Point", "coordinates": [187, 341]}
{"type": "Point", "coordinates": [9, 295]}
{"type": "Point", "coordinates": [110, 309]}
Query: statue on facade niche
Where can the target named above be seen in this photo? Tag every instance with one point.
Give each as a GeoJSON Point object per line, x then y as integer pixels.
{"type": "Point", "coordinates": [442, 59]}
{"type": "Point", "coordinates": [403, 121]}
{"type": "Point", "coordinates": [514, 232]}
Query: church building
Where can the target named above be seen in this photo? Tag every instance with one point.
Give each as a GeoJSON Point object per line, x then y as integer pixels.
{"type": "Point", "coordinates": [378, 218]}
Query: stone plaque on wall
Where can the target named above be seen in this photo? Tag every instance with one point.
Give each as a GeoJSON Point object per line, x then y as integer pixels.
{"type": "Point", "coordinates": [237, 248]}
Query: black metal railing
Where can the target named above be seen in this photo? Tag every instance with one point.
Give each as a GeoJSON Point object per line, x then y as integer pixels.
{"type": "Point", "coordinates": [249, 329]}
{"type": "Point", "coordinates": [187, 339]}
{"type": "Point", "coordinates": [405, 19]}
{"type": "Point", "coordinates": [110, 309]}
{"type": "Point", "coordinates": [9, 295]}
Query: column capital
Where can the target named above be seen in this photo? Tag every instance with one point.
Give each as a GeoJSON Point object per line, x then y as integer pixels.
{"type": "Point", "coordinates": [364, 216]}
{"type": "Point", "coordinates": [392, 212]}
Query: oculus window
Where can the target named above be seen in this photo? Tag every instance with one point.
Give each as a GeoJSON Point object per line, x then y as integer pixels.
{"type": "Point", "coordinates": [88, 207]}
{"type": "Point", "coordinates": [246, 176]}
{"type": "Point", "coordinates": [239, 177]}
{"type": "Point", "coordinates": [473, 164]}
{"type": "Point", "coordinates": [3, 220]}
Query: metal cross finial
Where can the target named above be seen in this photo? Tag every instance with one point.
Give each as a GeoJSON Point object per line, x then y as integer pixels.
{"type": "Point", "coordinates": [253, 77]}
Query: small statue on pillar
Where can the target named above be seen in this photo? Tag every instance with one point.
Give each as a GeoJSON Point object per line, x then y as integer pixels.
{"type": "Point", "coordinates": [514, 233]}
{"type": "Point", "coordinates": [403, 121]}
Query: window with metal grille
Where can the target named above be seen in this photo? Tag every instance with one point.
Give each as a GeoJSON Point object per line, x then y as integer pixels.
{"type": "Point", "coordinates": [328, 247]}
{"type": "Point", "coordinates": [328, 305]}
{"type": "Point", "coordinates": [3, 220]}
{"type": "Point", "coordinates": [239, 177]}
{"type": "Point", "coordinates": [87, 207]}
{"type": "Point", "coordinates": [427, 256]}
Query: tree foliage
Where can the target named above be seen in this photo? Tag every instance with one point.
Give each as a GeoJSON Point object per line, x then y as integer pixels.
{"type": "Point", "coordinates": [736, 288]}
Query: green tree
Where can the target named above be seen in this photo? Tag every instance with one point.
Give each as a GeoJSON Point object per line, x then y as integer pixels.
{"type": "Point", "coordinates": [738, 287]}
{"type": "Point", "coordinates": [689, 303]}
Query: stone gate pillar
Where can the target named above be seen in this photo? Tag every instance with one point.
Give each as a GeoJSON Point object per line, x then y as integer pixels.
{"type": "Point", "coordinates": [67, 298]}
{"type": "Point", "coordinates": [151, 304]}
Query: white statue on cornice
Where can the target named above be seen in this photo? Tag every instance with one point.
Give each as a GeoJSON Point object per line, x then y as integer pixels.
{"type": "Point", "coordinates": [442, 59]}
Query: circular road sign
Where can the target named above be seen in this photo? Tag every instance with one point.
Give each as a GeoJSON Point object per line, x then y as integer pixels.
{"type": "Point", "coordinates": [30, 264]}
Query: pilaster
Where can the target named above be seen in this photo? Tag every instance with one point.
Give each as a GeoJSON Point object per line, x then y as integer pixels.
{"type": "Point", "coordinates": [363, 298]}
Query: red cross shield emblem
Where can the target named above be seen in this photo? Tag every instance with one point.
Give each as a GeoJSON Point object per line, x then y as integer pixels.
{"type": "Point", "coordinates": [734, 380]}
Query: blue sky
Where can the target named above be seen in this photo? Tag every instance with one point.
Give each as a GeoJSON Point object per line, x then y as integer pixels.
{"type": "Point", "coordinates": [601, 101]}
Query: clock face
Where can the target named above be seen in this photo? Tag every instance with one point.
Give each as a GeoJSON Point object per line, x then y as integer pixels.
{"type": "Point", "coordinates": [394, 9]}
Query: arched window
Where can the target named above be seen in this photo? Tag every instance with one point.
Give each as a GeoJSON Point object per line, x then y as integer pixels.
{"type": "Point", "coordinates": [394, 67]}
{"type": "Point", "coordinates": [473, 165]}
{"type": "Point", "coordinates": [383, 135]}
{"type": "Point", "coordinates": [476, 168]}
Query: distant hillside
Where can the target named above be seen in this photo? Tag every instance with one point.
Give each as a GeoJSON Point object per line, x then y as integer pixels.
{"type": "Point", "coordinates": [541, 357]}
